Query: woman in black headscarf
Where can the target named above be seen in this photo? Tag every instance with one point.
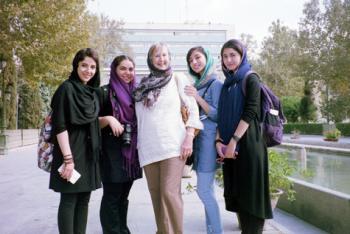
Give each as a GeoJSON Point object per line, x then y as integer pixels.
{"type": "Point", "coordinates": [76, 135]}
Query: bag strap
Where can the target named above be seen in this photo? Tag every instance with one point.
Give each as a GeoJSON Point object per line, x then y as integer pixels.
{"type": "Point", "coordinates": [178, 91]}
{"type": "Point", "coordinates": [206, 89]}
{"type": "Point", "coordinates": [104, 96]}
{"type": "Point", "coordinates": [263, 87]}
{"type": "Point", "coordinates": [244, 80]}
{"type": "Point", "coordinates": [205, 92]}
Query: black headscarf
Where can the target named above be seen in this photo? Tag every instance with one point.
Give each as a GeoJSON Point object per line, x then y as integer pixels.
{"type": "Point", "coordinates": [82, 103]}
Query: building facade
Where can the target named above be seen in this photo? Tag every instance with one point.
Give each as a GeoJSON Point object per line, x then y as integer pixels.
{"type": "Point", "coordinates": [179, 37]}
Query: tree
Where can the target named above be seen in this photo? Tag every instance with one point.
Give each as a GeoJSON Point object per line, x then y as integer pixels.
{"type": "Point", "coordinates": [307, 109]}
{"type": "Point", "coordinates": [277, 61]}
{"type": "Point", "coordinates": [291, 108]}
{"type": "Point", "coordinates": [106, 37]}
{"type": "Point", "coordinates": [251, 46]}
{"type": "Point", "coordinates": [40, 38]}
{"type": "Point", "coordinates": [324, 39]}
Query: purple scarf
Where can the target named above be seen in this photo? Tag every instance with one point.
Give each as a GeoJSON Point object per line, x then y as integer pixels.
{"type": "Point", "coordinates": [124, 111]}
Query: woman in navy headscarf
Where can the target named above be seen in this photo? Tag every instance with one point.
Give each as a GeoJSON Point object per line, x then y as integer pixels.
{"type": "Point", "coordinates": [119, 160]}
{"type": "Point", "coordinates": [239, 142]}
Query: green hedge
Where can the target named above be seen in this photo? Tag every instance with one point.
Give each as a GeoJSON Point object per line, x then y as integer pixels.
{"type": "Point", "coordinates": [304, 128]}
{"type": "Point", "coordinates": [314, 128]}
{"type": "Point", "coordinates": [344, 128]}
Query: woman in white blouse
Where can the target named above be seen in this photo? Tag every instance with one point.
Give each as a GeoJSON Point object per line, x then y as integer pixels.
{"type": "Point", "coordinates": [164, 140]}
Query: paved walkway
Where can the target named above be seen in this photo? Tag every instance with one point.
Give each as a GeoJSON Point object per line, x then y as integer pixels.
{"type": "Point", "coordinates": [27, 206]}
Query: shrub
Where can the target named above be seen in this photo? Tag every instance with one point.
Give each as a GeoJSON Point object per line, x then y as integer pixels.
{"type": "Point", "coordinates": [333, 134]}
{"type": "Point", "coordinates": [279, 170]}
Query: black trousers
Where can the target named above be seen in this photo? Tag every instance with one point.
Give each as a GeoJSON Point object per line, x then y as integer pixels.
{"type": "Point", "coordinates": [114, 208]}
{"type": "Point", "coordinates": [73, 213]}
{"type": "Point", "coordinates": [251, 224]}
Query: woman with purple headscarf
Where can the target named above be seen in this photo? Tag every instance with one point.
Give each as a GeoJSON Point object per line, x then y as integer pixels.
{"type": "Point", "coordinates": [119, 161]}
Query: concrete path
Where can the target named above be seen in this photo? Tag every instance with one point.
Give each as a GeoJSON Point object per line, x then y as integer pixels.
{"type": "Point", "coordinates": [27, 206]}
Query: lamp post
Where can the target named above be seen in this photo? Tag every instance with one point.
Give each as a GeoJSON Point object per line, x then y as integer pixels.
{"type": "Point", "coordinates": [3, 116]}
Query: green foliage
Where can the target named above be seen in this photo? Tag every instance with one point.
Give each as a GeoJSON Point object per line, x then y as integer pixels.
{"type": "Point", "coordinates": [42, 37]}
{"type": "Point", "coordinates": [29, 107]}
{"type": "Point", "coordinates": [291, 106]}
{"type": "Point", "coordinates": [324, 40]}
{"type": "Point", "coordinates": [219, 177]}
{"type": "Point", "coordinates": [307, 109]}
{"type": "Point", "coordinates": [337, 108]}
{"type": "Point", "coordinates": [276, 64]}
{"type": "Point", "coordinates": [332, 134]}
{"type": "Point", "coordinates": [279, 170]}
{"type": "Point", "coordinates": [314, 128]}
{"type": "Point", "coordinates": [344, 128]}
{"type": "Point", "coordinates": [304, 128]}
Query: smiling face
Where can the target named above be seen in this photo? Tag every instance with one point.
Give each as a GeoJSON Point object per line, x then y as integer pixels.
{"type": "Point", "coordinates": [231, 59]}
{"type": "Point", "coordinates": [197, 62]}
{"type": "Point", "coordinates": [126, 71]}
{"type": "Point", "coordinates": [86, 69]}
{"type": "Point", "coordinates": [160, 58]}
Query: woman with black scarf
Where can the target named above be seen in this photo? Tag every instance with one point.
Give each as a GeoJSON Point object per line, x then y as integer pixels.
{"type": "Point", "coordinates": [239, 142]}
{"type": "Point", "coordinates": [76, 135]}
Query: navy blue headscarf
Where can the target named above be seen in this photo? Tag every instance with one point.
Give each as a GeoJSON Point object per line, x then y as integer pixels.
{"type": "Point", "coordinates": [231, 100]}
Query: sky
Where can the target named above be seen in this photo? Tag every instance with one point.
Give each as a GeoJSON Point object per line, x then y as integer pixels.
{"type": "Point", "coordinates": [248, 16]}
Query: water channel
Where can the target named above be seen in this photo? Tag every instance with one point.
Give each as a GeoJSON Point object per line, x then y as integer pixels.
{"type": "Point", "coordinates": [328, 170]}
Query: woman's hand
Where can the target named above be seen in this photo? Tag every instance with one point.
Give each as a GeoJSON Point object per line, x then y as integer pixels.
{"type": "Point", "coordinates": [115, 125]}
{"type": "Point", "coordinates": [220, 149]}
{"type": "Point", "coordinates": [230, 149]}
{"type": "Point", "coordinates": [191, 91]}
{"type": "Point", "coordinates": [67, 171]}
{"type": "Point", "coordinates": [187, 146]}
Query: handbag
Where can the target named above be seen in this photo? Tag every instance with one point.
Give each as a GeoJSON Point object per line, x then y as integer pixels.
{"type": "Point", "coordinates": [45, 146]}
{"type": "Point", "coordinates": [185, 113]}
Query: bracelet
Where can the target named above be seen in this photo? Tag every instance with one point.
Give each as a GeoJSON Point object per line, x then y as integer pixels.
{"type": "Point", "coordinates": [68, 160]}
{"type": "Point", "coordinates": [219, 140]}
{"type": "Point", "coordinates": [67, 155]}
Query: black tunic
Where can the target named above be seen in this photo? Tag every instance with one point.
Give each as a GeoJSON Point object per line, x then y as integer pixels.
{"type": "Point", "coordinates": [246, 182]}
{"type": "Point", "coordinates": [112, 169]}
{"type": "Point", "coordinates": [85, 158]}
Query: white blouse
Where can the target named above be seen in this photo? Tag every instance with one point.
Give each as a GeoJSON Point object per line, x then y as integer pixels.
{"type": "Point", "coordinates": [161, 130]}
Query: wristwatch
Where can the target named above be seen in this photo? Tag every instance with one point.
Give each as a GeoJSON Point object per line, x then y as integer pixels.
{"type": "Point", "coordinates": [236, 138]}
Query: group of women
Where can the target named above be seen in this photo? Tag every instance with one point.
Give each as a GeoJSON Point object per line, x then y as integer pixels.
{"type": "Point", "coordinates": [142, 127]}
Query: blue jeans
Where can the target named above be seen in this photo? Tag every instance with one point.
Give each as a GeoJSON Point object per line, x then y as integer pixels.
{"type": "Point", "coordinates": [205, 190]}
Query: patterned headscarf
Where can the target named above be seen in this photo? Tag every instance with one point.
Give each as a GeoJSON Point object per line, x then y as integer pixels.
{"type": "Point", "coordinates": [150, 86]}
